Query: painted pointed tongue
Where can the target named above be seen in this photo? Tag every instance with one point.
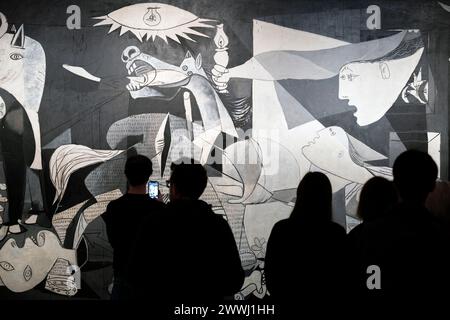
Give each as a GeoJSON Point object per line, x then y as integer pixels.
{"type": "Point", "coordinates": [3, 24]}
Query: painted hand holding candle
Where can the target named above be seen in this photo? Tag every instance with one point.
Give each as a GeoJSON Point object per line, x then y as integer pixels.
{"type": "Point", "coordinates": [221, 59]}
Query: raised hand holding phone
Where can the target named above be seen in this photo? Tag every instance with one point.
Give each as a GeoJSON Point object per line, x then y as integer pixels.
{"type": "Point", "coordinates": [153, 189]}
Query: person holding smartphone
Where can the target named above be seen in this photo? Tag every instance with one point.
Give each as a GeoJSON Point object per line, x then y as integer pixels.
{"type": "Point", "coordinates": [153, 189]}
{"type": "Point", "coordinates": [126, 214]}
{"type": "Point", "coordinates": [210, 268]}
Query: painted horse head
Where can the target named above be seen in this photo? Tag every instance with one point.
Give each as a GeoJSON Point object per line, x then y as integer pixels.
{"type": "Point", "coordinates": [149, 76]}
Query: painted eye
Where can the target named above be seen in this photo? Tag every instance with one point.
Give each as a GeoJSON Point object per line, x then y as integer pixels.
{"type": "Point", "coordinates": [27, 273]}
{"type": "Point", "coordinates": [384, 69]}
{"type": "Point", "coordinates": [6, 266]}
{"type": "Point", "coordinates": [352, 76]}
{"type": "Point", "coordinates": [16, 56]}
{"type": "Point", "coordinates": [151, 20]}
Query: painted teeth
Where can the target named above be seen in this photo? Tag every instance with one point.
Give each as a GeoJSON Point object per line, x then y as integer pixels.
{"type": "Point", "coordinates": [141, 70]}
{"type": "Point", "coordinates": [132, 68]}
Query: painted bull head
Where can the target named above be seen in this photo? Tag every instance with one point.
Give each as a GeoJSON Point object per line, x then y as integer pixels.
{"type": "Point", "coordinates": [23, 66]}
{"type": "Point", "coordinates": [23, 75]}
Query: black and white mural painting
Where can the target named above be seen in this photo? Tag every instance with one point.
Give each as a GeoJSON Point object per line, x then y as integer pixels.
{"type": "Point", "coordinates": [260, 92]}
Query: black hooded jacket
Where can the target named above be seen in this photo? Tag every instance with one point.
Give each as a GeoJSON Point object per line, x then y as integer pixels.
{"type": "Point", "coordinates": [192, 256]}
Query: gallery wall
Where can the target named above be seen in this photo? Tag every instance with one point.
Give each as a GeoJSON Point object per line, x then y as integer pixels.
{"type": "Point", "coordinates": [260, 92]}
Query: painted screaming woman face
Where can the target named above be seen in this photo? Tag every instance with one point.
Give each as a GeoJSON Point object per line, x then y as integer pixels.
{"type": "Point", "coordinates": [373, 87]}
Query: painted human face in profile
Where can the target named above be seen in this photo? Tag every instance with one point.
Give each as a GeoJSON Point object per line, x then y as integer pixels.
{"type": "Point", "coordinates": [373, 87]}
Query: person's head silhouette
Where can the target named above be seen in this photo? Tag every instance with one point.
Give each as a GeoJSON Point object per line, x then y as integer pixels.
{"type": "Point", "coordinates": [138, 170]}
{"type": "Point", "coordinates": [378, 195]}
{"type": "Point", "coordinates": [438, 201]}
{"type": "Point", "coordinates": [187, 181]}
{"type": "Point", "coordinates": [415, 174]}
{"type": "Point", "coordinates": [313, 197]}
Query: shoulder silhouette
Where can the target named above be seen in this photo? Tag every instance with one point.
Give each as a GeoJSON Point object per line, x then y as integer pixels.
{"type": "Point", "coordinates": [124, 216]}
{"type": "Point", "coordinates": [305, 253]}
{"type": "Point", "coordinates": [195, 256]}
{"type": "Point", "coordinates": [409, 245]}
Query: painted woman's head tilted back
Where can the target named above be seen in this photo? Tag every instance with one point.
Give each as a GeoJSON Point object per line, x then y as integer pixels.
{"type": "Point", "coordinates": [331, 151]}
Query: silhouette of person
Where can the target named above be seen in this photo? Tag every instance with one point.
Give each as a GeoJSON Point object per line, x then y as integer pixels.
{"type": "Point", "coordinates": [196, 259]}
{"type": "Point", "coordinates": [305, 252]}
{"type": "Point", "coordinates": [123, 216]}
{"type": "Point", "coordinates": [377, 198]}
{"type": "Point", "coordinates": [409, 245]}
{"type": "Point", "coordinates": [438, 201]}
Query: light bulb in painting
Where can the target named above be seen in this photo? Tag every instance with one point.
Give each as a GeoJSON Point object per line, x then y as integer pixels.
{"type": "Point", "coordinates": [158, 20]}
{"type": "Point", "coordinates": [152, 17]}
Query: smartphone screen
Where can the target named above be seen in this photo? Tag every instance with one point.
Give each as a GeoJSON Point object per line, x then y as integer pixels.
{"type": "Point", "coordinates": [153, 188]}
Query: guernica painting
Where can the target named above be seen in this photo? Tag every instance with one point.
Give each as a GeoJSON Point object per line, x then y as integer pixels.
{"type": "Point", "coordinates": [260, 92]}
